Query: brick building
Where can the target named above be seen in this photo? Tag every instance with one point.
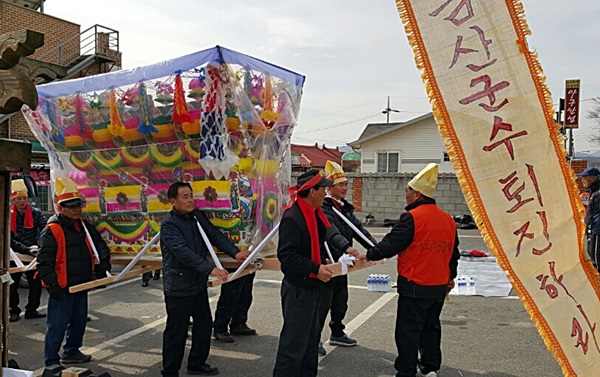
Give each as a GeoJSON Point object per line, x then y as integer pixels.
{"type": "Point", "coordinates": [84, 53]}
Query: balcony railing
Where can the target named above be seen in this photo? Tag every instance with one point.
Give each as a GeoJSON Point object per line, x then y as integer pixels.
{"type": "Point", "coordinates": [96, 40]}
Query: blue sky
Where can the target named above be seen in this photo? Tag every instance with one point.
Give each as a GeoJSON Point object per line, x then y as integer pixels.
{"type": "Point", "coordinates": [354, 53]}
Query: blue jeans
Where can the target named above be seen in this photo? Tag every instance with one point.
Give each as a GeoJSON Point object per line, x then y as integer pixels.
{"type": "Point", "coordinates": [67, 319]}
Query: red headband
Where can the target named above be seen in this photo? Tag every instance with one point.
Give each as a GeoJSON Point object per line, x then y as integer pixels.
{"type": "Point", "coordinates": [293, 191]}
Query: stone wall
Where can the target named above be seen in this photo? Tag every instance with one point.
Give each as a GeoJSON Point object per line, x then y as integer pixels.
{"type": "Point", "coordinates": [382, 194]}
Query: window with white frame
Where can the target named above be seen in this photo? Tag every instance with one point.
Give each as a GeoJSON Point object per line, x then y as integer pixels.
{"type": "Point", "coordinates": [387, 162]}
{"type": "Point", "coordinates": [446, 157]}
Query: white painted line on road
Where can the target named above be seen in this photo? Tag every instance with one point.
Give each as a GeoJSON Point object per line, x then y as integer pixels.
{"type": "Point", "coordinates": [121, 338]}
{"type": "Point", "coordinates": [360, 319]}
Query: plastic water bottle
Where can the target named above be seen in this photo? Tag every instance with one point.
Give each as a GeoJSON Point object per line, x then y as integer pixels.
{"type": "Point", "coordinates": [388, 283]}
{"type": "Point", "coordinates": [461, 283]}
{"type": "Point", "coordinates": [471, 286]}
{"type": "Point", "coordinates": [377, 281]}
{"type": "Point", "coordinates": [370, 283]}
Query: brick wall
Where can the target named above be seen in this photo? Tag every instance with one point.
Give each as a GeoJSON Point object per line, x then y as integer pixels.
{"type": "Point", "coordinates": [55, 30]}
{"type": "Point", "coordinates": [578, 166]}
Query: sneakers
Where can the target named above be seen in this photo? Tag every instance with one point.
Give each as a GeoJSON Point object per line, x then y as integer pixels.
{"type": "Point", "coordinates": [242, 330]}
{"type": "Point", "coordinates": [343, 340]}
{"type": "Point", "coordinates": [430, 374]}
{"type": "Point", "coordinates": [13, 317]}
{"type": "Point", "coordinates": [224, 337]}
{"type": "Point", "coordinates": [75, 359]}
{"type": "Point", "coordinates": [321, 351]}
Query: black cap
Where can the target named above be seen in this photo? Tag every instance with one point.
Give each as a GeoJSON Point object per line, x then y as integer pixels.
{"type": "Point", "coordinates": [307, 176]}
{"type": "Point", "coordinates": [71, 203]}
{"type": "Point", "coordinates": [589, 171]}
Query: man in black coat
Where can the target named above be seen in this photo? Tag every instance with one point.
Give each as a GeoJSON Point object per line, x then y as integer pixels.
{"type": "Point", "coordinates": [591, 181]}
{"type": "Point", "coordinates": [302, 232]}
{"type": "Point", "coordinates": [185, 276]}
{"type": "Point", "coordinates": [26, 225]}
{"type": "Point", "coordinates": [334, 295]}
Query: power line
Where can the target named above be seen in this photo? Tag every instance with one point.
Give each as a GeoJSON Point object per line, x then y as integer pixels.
{"type": "Point", "coordinates": [338, 125]}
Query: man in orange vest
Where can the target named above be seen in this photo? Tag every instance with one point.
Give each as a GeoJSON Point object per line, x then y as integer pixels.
{"type": "Point", "coordinates": [67, 258]}
{"type": "Point", "coordinates": [26, 224]}
{"type": "Point", "coordinates": [426, 242]}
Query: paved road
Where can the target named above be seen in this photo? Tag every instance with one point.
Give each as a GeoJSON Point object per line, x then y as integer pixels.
{"type": "Point", "coordinates": [481, 336]}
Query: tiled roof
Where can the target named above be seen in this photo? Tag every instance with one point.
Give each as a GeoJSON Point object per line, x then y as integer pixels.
{"type": "Point", "coordinates": [315, 157]}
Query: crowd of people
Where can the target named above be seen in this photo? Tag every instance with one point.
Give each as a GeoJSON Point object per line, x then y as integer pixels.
{"type": "Point", "coordinates": [318, 224]}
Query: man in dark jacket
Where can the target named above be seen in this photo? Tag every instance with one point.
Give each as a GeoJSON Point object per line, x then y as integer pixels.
{"type": "Point", "coordinates": [334, 295]}
{"type": "Point", "coordinates": [26, 224]}
{"type": "Point", "coordinates": [592, 215]}
{"type": "Point", "coordinates": [185, 276]}
{"type": "Point", "coordinates": [426, 242]}
{"type": "Point", "coordinates": [302, 231]}
{"type": "Point", "coordinates": [67, 258]}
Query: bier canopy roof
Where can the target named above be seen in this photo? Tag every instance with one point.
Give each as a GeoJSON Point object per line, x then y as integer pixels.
{"type": "Point", "coordinates": [165, 68]}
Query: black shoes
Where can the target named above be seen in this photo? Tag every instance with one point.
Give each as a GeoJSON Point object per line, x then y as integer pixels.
{"type": "Point", "coordinates": [13, 317]}
{"type": "Point", "coordinates": [242, 330]}
{"type": "Point", "coordinates": [224, 337]}
{"type": "Point", "coordinates": [205, 370]}
{"type": "Point", "coordinates": [35, 314]}
{"type": "Point", "coordinates": [75, 359]}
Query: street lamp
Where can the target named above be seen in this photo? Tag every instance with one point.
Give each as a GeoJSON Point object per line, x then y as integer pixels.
{"type": "Point", "coordinates": [388, 110]}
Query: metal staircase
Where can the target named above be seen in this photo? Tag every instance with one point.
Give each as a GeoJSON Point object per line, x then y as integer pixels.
{"type": "Point", "coordinates": [97, 44]}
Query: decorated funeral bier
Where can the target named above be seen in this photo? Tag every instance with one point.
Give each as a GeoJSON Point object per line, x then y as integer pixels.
{"type": "Point", "coordinates": [495, 112]}
{"type": "Point", "coordinates": [217, 119]}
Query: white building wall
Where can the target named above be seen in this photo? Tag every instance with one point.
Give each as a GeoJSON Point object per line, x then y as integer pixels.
{"type": "Point", "coordinates": [418, 144]}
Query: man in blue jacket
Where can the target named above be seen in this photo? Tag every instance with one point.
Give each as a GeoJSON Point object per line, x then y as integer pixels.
{"type": "Point", "coordinates": [185, 274]}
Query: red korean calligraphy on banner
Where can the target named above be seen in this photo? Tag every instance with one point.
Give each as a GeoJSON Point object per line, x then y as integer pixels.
{"type": "Point", "coordinates": [572, 88]}
{"type": "Point", "coordinates": [495, 114]}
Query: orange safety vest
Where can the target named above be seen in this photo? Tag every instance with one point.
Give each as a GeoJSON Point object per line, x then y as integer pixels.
{"type": "Point", "coordinates": [60, 267]}
{"type": "Point", "coordinates": [425, 261]}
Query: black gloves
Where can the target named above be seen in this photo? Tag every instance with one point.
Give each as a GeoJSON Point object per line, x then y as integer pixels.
{"type": "Point", "coordinates": [55, 292]}
{"type": "Point", "coordinates": [102, 269]}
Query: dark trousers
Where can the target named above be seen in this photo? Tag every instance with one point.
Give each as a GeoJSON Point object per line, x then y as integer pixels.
{"type": "Point", "coordinates": [593, 247]}
{"type": "Point", "coordinates": [35, 292]}
{"type": "Point", "coordinates": [179, 311]}
{"type": "Point", "coordinates": [67, 319]}
{"type": "Point", "coordinates": [234, 304]}
{"type": "Point", "coordinates": [299, 339]}
{"type": "Point", "coordinates": [334, 298]}
{"type": "Point", "coordinates": [418, 328]}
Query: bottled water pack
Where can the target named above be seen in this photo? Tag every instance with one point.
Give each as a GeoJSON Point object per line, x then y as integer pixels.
{"type": "Point", "coordinates": [379, 283]}
{"type": "Point", "coordinates": [465, 285]}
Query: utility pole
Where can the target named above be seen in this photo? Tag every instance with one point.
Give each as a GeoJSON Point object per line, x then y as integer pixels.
{"type": "Point", "coordinates": [388, 110]}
